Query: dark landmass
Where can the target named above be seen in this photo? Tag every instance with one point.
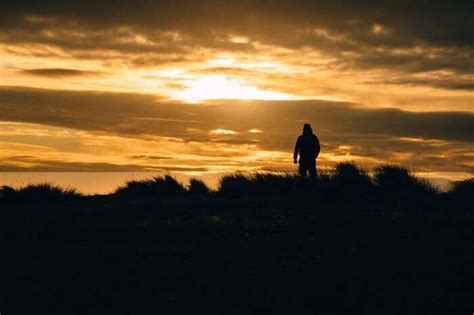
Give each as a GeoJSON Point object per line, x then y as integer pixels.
{"type": "Point", "coordinates": [346, 243]}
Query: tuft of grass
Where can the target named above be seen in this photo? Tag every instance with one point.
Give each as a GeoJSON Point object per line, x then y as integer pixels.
{"type": "Point", "coordinates": [7, 193]}
{"type": "Point", "coordinates": [351, 175]}
{"type": "Point", "coordinates": [395, 178]}
{"type": "Point", "coordinates": [350, 180]}
{"type": "Point", "coordinates": [38, 192]}
{"type": "Point", "coordinates": [463, 187]}
{"type": "Point", "coordinates": [257, 185]}
{"type": "Point", "coordinates": [272, 183]}
{"type": "Point", "coordinates": [234, 185]}
{"type": "Point", "coordinates": [168, 185]}
{"type": "Point", "coordinates": [462, 191]}
{"type": "Point", "coordinates": [198, 188]}
{"type": "Point", "coordinates": [162, 186]}
{"type": "Point", "coordinates": [135, 188]}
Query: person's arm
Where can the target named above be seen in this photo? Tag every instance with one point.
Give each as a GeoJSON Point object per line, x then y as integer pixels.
{"type": "Point", "coordinates": [317, 148]}
{"type": "Point", "coordinates": [297, 150]}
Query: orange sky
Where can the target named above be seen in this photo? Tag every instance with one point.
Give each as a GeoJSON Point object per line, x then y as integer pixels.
{"type": "Point", "coordinates": [166, 85]}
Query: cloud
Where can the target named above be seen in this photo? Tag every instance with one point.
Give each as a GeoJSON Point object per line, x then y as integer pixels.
{"type": "Point", "coordinates": [436, 22]}
{"type": "Point", "coordinates": [136, 114]}
{"type": "Point", "coordinates": [59, 72]}
{"type": "Point", "coordinates": [225, 132]}
{"type": "Point", "coordinates": [35, 164]}
{"type": "Point", "coordinates": [441, 81]}
{"type": "Point", "coordinates": [91, 127]}
{"type": "Point", "coordinates": [410, 55]}
{"type": "Point", "coordinates": [405, 37]}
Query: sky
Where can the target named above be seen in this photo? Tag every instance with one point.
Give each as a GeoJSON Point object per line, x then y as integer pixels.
{"type": "Point", "coordinates": [211, 87]}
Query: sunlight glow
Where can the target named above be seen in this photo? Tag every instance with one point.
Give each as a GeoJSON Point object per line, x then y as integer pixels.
{"type": "Point", "coordinates": [222, 87]}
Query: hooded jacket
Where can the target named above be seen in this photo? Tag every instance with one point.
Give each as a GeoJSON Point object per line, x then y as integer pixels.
{"type": "Point", "coordinates": [307, 146]}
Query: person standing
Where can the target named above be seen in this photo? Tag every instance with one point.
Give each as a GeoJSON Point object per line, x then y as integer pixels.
{"type": "Point", "coordinates": [308, 148]}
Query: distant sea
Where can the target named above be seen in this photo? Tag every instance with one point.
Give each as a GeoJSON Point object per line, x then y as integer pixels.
{"type": "Point", "coordinates": [93, 182]}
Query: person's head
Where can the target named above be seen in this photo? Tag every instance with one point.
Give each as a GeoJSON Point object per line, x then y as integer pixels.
{"type": "Point", "coordinates": [307, 129]}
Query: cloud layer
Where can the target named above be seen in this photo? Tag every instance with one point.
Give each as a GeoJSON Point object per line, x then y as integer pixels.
{"type": "Point", "coordinates": [399, 50]}
{"type": "Point", "coordinates": [142, 132]}
{"type": "Point", "coordinates": [128, 85]}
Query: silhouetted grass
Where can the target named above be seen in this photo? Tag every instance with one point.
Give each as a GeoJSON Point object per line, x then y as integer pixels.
{"type": "Point", "coordinates": [350, 181]}
{"type": "Point", "coordinates": [38, 192]}
{"type": "Point", "coordinates": [463, 187]}
{"type": "Point", "coordinates": [462, 193]}
{"type": "Point", "coordinates": [198, 188]}
{"type": "Point", "coordinates": [346, 187]}
{"type": "Point", "coordinates": [158, 187]}
{"type": "Point", "coordinates": [398, 189]}
{"type": "Point", "coordinates": [264, 243]}
{"type": "Point", "coordinates": [390, 188]}
{"type": "Point", "coordinates": [265, 185]}
{"type": "Point", "coordinates": [398, 179]}
{"type": "Point", "coordinates": [347, 181]}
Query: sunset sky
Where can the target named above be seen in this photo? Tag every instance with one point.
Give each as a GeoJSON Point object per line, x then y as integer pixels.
{"type": "Point", "coordinates": [208, 87]}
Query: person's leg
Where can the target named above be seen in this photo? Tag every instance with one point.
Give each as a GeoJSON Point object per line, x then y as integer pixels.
{"type": "Point", "coordinates": [312, 170]}
{"type": "Point", "coordinates": [302, 170]}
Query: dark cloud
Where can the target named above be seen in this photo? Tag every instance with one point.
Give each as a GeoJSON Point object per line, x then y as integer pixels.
{"type": "Point", "coordinates": [39, 164]}
{"type": "Point", "coordinates": [150, 157]}
{"type": "Point", "coordinates": [441, 22]}
{"type": "Point", "coordinates": [427, 141]}
{"type": "Point", "coordinates": [60, 72]}
{"type": "Point", "coordinates": [441, 82]}
{"type": "Point", "coordinates": [415, 60]}
{"type": "Point", "coordinates": [43, 165]}
{"type": "Point", "coordinates": [136, 114]}
{"type": "Point", "coordinates": [407, 36]}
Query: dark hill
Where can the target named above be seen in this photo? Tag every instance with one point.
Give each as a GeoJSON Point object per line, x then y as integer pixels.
{"type": "Point", "coordinates": [346, 243]}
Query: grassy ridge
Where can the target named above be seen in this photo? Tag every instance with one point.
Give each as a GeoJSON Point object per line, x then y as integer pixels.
{"type": "Point", "coordinates": [388, 187]}
{"type": "Point", "coordinates": [347, 242]}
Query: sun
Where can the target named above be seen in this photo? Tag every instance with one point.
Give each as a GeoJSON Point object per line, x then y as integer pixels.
{"type": "Point", "coordinates": [209, 87]}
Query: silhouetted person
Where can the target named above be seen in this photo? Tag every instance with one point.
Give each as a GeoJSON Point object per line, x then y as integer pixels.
{"type": "Point", "coordinates": [307, 146]}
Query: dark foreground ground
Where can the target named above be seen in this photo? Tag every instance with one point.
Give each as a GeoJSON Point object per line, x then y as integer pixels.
{"type": "Point", "coordinates": [235, 258]}
{"type": "Point", "coordinates": [224, 254]}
